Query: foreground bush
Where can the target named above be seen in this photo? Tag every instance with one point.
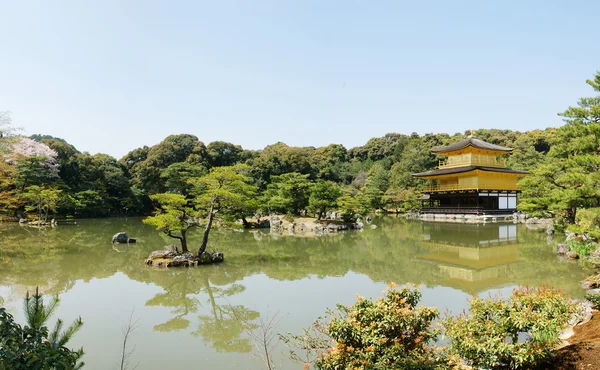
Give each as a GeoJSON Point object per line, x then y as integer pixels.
{"type": "Point", "coordinates": [588, 221]}
{"type": "Point", "coordinates": [517, 333]}
{"type": "Point", "coordinates": [594, 298]}
{"type": "Point", "coordinates": [33, 346]}
{"type": "Point", "coordinates": [389, 333]}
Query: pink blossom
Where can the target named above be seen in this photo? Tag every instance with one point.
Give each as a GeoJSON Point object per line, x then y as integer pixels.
{"type": "Point", "coordinates": [26, 147]}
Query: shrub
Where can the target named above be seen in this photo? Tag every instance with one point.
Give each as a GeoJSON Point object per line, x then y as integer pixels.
{"type": "Point", "coordinates": [594, 298]}
{"type": "Point", "coordinates": [32, 346]}
{"type": "Point", "coordinates": [589, 222]}
{"type": "Point", "coordinates": [583, 248]}
{"type": "Point", "coordinates": [518, 333]}
{"type": "Point", "coordinates": [389, 333]}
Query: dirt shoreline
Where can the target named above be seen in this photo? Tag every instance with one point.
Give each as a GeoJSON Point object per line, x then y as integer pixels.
{"type": "Point", "coordinates": [583, 350]}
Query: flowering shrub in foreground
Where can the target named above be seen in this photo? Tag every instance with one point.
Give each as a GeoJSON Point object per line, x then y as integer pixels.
{"type": "Point", "coordinates": [516, 333]}
{"type": "Point", "coordinates": [389, 333]}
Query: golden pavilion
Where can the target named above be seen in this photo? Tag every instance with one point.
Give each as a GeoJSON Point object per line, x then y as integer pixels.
{"type": "Point", "coordinates": [471, 179]}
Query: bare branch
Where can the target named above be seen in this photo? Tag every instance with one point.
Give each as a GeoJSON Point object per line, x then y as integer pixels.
{"type": "Point", "coordinates": [127, 330]}
{"type": "Point", "coordinates": [262, 337]}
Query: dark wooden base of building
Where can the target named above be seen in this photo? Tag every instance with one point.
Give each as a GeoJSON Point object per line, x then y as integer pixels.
{"type": "Point", "coordinates": [466, 211]}
{"type": "Point", "coordinates": [482, 202]}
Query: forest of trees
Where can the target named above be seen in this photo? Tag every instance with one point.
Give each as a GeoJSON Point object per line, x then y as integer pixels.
{"type": "Point", "coordinates": [44, 176]}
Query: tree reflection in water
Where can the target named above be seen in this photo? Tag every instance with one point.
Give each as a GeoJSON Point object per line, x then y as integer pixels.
{"type": "Point", "coordinates": [186, 292]}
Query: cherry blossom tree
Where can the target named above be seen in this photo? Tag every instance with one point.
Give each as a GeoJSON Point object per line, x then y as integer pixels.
{"type": "Point", "coordinates": [36, 163]}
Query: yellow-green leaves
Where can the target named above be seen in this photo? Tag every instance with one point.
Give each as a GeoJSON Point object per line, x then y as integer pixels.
{"type": "Point", "coordinates": [517, 333]}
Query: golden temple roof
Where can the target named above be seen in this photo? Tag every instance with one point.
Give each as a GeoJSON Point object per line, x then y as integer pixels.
{"type": "Point", "coordinates": [476, 143]}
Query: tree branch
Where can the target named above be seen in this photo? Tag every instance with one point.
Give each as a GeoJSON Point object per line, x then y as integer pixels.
{"type": "Point", "coordinates": [173, 236]}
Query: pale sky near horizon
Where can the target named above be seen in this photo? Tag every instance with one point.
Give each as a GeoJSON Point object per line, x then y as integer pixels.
{"type": "Point", "coordinates": [110, 76]}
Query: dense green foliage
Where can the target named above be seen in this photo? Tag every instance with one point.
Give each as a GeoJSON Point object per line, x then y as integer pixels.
{"type": "Point", "coordinates": [174, 217]}
{"type": "Point", "coordinates": [568, 177]}
{"type": "Point", "coordinates": [291, 180]}
{"type": "Point", "coordinates": [594, 298]}
{"type": "Point", "coordinates": [226, 195]}
{"type": "Point", "coordinates": [393, 332]}
{"type": "Point", "coordinates": [33, 346]}
{"type": "Point", "coordinates": [520, 332]}
{"type": "Point", "coordinates": [389, 333]}
{"type": "Point", "coordinates": [582, 247]}
{"type": "Point", "coordinates": [588, 222]}
{"type": "Point", "coordinates": [297, 180]}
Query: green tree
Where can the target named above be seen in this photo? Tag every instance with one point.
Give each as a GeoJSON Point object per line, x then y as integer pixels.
{"type": "Point", "coordinates": [570, 176]}
{"type": "Point", "coordinates": [33, 346]}
{"type": "Point", "coordinates": [177, 176]}
{"type": "Point", "coordinates": [505, 138]}
{"type": "Point", "coordinates": [226, 193]}
{"type": "Point", "coordinates": [9, 199]}
{"type": "Point", "coordinates": [66, 158]}
{"type": "Point", "coordinates": [174, 217]}
{"type": "Point", "coordinates": [88, 202]}
{"type": "Point", "coordinates": [349, 204]}
{"type": "Point", "coordinates": [33, 171]}
{"type": "Point", "coordinates": [530, 149]}
{"type": "Point", "coordinates": [103, 175]}
{"type": "Point", "coordinates": [330, 163]}
{"type": "Point", "coordinates": [379, 148]}
{"type": "Point", "coordinates": [401, 199]}
{"type": "Point", "coordinates": [41, 199]}
{"type": "Point", "coordinates": [288, 193]}
{"type": "Point", "coordinates": [415, 157]}
{"type": "Point", "coordinates": [279, 159]}
{"type": "Point", "coordinates": [323, 197]}
{"type": "Point", "coordinates": [222, 153]}
{"type": "Point", "coordinates": [146, 165]}
{"type": "Point", "coordinates": [375, 187]}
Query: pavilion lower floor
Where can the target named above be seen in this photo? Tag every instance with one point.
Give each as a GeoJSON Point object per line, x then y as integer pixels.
{"type": "Point", "coordinates": [470, 202]}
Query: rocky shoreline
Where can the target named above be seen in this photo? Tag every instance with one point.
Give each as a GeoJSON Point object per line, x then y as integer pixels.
{"type": "Point", "coordinates": [307, 226]}
{"type": "Point", "coordinates": [171, 257]}
{"type": "Point", "coordinates": [516, 217]}
{"type": "Point", "coordinates": [590, 284]}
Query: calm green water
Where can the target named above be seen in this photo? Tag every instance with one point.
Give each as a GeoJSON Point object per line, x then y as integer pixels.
{"type": "Point", "coordinates": [185, 315]}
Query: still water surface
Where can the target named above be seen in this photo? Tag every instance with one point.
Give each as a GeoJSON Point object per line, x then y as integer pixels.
{"type": "Point", "coordinates": [186, 317]}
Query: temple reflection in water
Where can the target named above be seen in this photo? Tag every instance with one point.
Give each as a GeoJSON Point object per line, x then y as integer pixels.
{"type": "Point", "coordinates": [471, 257]}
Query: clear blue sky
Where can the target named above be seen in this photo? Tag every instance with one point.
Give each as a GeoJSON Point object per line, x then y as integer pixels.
{"type": "Point", "coordinates": [110, 76]}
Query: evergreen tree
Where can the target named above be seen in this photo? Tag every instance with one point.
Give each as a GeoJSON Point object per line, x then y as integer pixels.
{"type": "Point", "coordinates": [33, 346]}
{"type": "Point", "coordinates": [41, 200]}
{"type": "Point", "coordinates": [174, 217]}
{"type": "Point", "coordinates": [227, 194]}
{"type": "Point", "coordinates": [570, 177]}
{"type": "Point", "coordinates": [376, 185]}
{"type": "Point", "coordinates": [323, 197]}
{"type": "Point", "coordinates": [288, 193]}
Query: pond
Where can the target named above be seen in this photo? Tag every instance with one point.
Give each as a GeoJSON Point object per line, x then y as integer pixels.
{"type": "Point", "coordinates": [190, 318]}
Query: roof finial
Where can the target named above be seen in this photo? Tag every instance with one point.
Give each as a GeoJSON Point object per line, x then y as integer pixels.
{"type": "Point", "coordinates": [472, 133]}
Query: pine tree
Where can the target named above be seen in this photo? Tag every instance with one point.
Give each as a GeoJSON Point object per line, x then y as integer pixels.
{"type": "Point", "coordinates": [33, 346]}
{"type": "Point", "coordinates": [570, 177]}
